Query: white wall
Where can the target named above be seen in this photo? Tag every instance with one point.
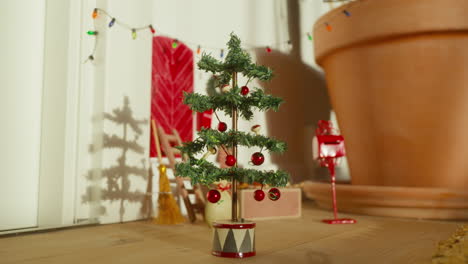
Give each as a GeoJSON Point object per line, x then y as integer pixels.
{"type": "Point", "coordinates": [122, 69]}
{"type": "Point", "coordinates": [128, 74]}
{"type": "Point", "coordinates": [21, 50]}
{"type": "Point", "coordinates": [53, 177]}
{"type": "Point", "coordinates": [53, 139]}
{"type": "Point", "coordinates": [77, 96]}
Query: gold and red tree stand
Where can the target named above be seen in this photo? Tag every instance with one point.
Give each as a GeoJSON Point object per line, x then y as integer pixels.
{"type": "Point", "coordinates": [233, 240]}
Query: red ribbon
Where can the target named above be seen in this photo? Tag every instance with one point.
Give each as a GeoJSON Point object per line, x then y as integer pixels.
{"type": "Point", "coordinates": [225, 188]}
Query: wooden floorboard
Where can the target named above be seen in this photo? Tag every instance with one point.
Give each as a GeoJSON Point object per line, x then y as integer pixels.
{"type": "Point", "coordinates": [304, 240]}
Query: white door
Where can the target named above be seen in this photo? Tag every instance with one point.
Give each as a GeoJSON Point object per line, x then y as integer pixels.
{"type": "Point", "coordinates": [21, 76]}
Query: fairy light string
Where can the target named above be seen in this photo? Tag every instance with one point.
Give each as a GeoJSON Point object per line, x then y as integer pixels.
{"type": "Point", "coordinates": [346, 11]}
{"type": "Point", "coordinates": [134, 32]}
{"type": "Point", "coordinates": [198, 48]}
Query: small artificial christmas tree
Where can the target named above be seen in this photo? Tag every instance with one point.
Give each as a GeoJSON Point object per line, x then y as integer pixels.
{"type": "Point", "coordinates": [235, 102]}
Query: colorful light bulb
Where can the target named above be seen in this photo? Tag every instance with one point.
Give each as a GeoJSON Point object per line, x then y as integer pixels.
{"type": "Point", "coordinates": [92, 32]}
{"type": "Point", "coordinates": [112, 22]}
{"type": "Point", "coordinates": [309, 36]}
{"type": "Point", "coordinates": [198, 50]}
{"type": "Point", "coordinates": [175, 43]}
{"type": "Point", "coordinates": [134, 34]}
{"type": "Point", "coordinates": [221, 55]}
{"type": "Point", "coordinates": [346, 12]}
{"type": "Point", "coordinates": [328, 26]}
{"type": "Point", "coordinates": [268, 49]}
{"type": "Point", "coordinates": [152, 29]}
{"type": "Point", "coordinates": [95, 13]}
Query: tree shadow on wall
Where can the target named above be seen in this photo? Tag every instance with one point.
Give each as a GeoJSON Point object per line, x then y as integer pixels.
{"type": "Point", "coordinates": [306, 101]}
{"type": "Point", "coordinates": [304, 91]}
{"type": "Point", "coordinates": [118, 177]}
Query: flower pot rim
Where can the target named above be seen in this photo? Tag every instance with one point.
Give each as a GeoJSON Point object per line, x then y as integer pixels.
{"type": "Point", "coordinates": [407, 202]}
{"type": "Point", "coordinates": [374, 21]}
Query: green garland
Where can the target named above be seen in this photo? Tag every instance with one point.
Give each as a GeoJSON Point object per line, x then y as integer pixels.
{"type": "Point", "coordinates": [203, 172]}
{"type": "Point", "coordinates": [209, 138]}
{"type": "Point", "coordinates": [233, 99]}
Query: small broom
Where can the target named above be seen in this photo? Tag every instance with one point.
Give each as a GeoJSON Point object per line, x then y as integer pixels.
{"type": "Point", "coordinates": [168, 211]}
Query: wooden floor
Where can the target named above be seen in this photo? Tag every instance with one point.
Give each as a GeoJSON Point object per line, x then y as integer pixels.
{"type": "Point", "coordinates": [306, 240]}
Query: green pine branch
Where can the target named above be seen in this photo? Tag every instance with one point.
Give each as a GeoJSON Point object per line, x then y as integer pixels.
{"type": "Point", "coordinates": [263, 101]}
{"type": "Point", "coordinates": [259, 72]}
{"type": "Point", "coordinates": [237, 60]}
{"type": "Point", "coordinates": [209, 138]}
{"type": "Point", "coordinates": [233, 99]}
{"type": "Point", "coordinates": [204, 172]}
{"type": "Point", "coordinates": [210, 64]}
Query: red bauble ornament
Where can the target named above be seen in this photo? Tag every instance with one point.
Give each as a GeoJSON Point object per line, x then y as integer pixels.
{"type": "Point", "coordinates": [213, 196]}
{"type": "Point", "coordinates": [259, 195]}
{"type": "Point", "coordinates": [244, 90]}
{"type": "Point", "coordinates": [230, 160]}
{"type": "Point", "coordinates": [274, 194]}
{"type": "Point", "coordinates": [222, 126]}
{"type": "Point", "coordinates": [258, 158]}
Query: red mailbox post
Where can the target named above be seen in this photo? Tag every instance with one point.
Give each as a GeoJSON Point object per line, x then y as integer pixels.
{"type": "Point", "coordinates": [328, 148]}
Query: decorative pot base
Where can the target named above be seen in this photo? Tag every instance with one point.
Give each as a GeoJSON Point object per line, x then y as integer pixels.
{"type": "Point", "coordinates": [233, 239]}
{"type": "Point", "coordinates": [339, 221]}
{"type": "Point", "coordinates": [407, 202]}
{"type": "Point", "coordinates": [232, 254]}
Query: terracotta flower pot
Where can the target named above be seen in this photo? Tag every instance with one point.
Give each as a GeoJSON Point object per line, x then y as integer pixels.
{"type": "Point", "coordinates": [397, 74]}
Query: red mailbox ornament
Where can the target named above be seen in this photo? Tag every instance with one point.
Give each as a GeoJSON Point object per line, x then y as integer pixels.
{"type": "Point", "coordinates": [328, 148]}
{"type": "Point", "coordinates": [204, 119]}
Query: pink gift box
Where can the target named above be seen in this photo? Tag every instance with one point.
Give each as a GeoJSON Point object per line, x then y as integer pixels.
{"type": "Point", "coordinates": [288, 206]}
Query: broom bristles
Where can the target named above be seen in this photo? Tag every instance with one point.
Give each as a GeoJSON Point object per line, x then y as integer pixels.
{"type": "Point", "coordinates": [168, 211]}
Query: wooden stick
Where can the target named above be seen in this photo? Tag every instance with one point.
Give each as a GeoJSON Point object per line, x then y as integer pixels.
{"type": "Point", "coordinates": [179, 142]}
{"type": "Point", "coordinates": [156, 140]}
